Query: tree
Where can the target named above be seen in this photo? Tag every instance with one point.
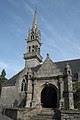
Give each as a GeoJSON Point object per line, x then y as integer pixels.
{"type": "Point", "coordinates": [3, 73]}
{"type": "Point", "coordinates": [2, 78]}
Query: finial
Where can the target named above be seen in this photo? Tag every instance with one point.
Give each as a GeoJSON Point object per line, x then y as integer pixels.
{"type": "Point", "coordinates": [48, 55]}
{"type": "Point", "coordinates": [35, 10]}
{"type": "Point", "coordinates": [67, 65]}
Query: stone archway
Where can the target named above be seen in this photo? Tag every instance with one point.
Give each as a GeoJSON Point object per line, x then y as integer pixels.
{"type": "Point", "coordinates": [49, 96]}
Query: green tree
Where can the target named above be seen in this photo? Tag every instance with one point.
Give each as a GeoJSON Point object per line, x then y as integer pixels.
{"type": "Point", "coordinates": [2, 78]}
{"type": "Point", "coordinates": [3, 73]}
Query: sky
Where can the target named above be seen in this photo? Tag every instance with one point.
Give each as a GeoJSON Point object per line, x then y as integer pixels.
{"type": "Point", "coordinates": [58, 21]}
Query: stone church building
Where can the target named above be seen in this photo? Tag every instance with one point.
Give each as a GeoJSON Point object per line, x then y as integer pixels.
{"type": "Point", "coordinates": [41, 85]}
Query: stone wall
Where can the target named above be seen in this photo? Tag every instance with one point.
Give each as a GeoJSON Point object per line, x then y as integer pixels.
{"type": "Point", "coordinates": [8, 96]}
{"type": "Point", "coordinates": [70, 115]}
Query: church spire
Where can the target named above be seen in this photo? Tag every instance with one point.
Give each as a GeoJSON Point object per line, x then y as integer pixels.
{"type": "Point", "coordinates": [33, 56]}
{"type": "Point", "coordinates": [34, 32]}
{"type": "Point", "coordinates": [35, 24]}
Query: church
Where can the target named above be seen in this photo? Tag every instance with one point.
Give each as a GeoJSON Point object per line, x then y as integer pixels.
{"type": "Point", "coordinates": [41, 87]}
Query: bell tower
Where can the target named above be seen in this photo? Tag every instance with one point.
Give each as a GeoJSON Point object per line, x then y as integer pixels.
{"type": "Point", "coordinates": [32, 56]}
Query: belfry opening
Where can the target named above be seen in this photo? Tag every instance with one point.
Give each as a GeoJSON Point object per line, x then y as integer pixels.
{"type": "Point", "coordinates": [49, 96]}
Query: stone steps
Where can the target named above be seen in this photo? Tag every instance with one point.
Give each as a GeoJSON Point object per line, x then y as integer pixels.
{"type": "Point", "coordinates": [40, 114]}
{"type": "Point", "coordinates": [45, 114]}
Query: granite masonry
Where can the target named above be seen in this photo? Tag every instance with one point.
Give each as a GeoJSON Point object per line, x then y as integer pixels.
{"type": "Point", "coordinates": [42, 90]}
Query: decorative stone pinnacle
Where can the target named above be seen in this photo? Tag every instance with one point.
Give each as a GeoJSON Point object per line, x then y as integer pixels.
{"type": "Point", "coordinates": [67, 65]}
{"type": "Point", "coordinates": [48, 55]}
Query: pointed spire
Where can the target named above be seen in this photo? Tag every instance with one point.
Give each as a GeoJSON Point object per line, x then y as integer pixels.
{"type": "Point", "coordinates": [35, 24]}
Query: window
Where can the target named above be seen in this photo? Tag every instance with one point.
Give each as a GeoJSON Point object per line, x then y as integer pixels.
{"type": "Point", "coordinates": [32, 50]}
{"type": "Point", "coordinates": [22, 87]}
{"type": "Point", "coordinates": [32, 36]}
{"type": "Point", "coordinates": [69, 72]}
{"type": "Point", "coordinates": [33, 46]}
{"type": "Point", "coordinates": [29, 48]}
{"type": "Point", "coordinates": [24, 83]}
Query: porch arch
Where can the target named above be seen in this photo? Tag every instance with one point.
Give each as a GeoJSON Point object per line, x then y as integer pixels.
{"type": "Point", "coordinates": [49, 96]}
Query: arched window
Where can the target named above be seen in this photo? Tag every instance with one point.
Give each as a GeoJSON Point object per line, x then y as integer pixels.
{"type": "Point", "coordinates": [29, 48]}
{"type": "Point", "coordinates": [24, 83]}
{"type": "Point", "coordinates": [33, 36]}
{"type": "Point", "coordinates": [32, 48]}
{"type": "Point", "coordinates": [22, 86]}
{"type": "Point", "coordinates": [69, 72]}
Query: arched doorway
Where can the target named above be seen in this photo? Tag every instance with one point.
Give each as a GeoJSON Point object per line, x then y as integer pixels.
{"type": "Point", "coordinates": [49, 96]}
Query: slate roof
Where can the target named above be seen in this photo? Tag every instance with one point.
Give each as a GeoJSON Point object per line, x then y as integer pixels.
{"type": "Point", "coordinates": [75, 66]}
{"type": "Point", "coordinates": [12, 81]}
{"type": "Point", "coordinates": [35, 69]}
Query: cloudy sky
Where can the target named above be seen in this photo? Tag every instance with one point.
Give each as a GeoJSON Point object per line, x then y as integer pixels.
{"type": "Point", "coordinates": [58, 21]}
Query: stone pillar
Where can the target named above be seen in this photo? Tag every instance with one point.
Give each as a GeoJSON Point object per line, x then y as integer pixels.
{"type": "Point", "coordinates": [70, 94]}
{"type": "Point", "coordinates": [33, 102]}
{"type": "Point", "coordinates": [68, 88]}
{"type": "Point", "coordinates": [61, 102]}
{"type": "Point", "coordinates": [29, 92]}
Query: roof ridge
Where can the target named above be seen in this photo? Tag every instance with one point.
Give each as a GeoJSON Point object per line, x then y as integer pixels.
{"type": "Point", "coordinates": [67, 60]}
